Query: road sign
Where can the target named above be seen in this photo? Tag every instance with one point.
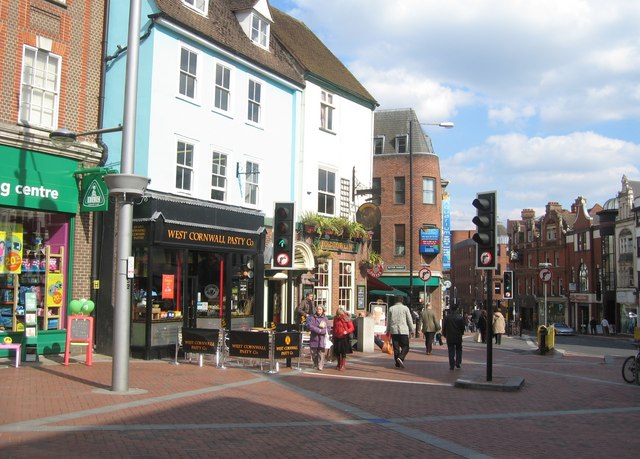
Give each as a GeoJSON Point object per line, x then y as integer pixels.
{"type": "Point", "coordinates": [447, 284]}
{"type": "Point", "coordinates": [486, 259]}
{"type": "Point", "coordinates": [424, 274]}
{"type": "Point", "coordinates": [545, 274]}
{"type": "Point", "coordinates": [282, 259]}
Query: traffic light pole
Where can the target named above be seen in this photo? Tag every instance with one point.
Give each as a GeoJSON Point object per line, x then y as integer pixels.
{"type": "Point", "coordinates": [489, 325]}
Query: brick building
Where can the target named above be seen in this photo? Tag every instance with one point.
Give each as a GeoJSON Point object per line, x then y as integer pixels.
{"type": "Point", "coordinates": [404, 161]}
{"type": "Point", "coordinates": [50, 77]}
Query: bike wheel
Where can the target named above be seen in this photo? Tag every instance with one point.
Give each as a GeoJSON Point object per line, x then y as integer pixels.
{"type": "Point", "coordinates": [629, 369]}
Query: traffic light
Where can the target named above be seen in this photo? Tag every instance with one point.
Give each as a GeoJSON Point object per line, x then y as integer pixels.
{"type": "Point", "coordinates": [283, 232]}
{"type": "Point", "coordinates": [485, 237]}
{"type": "Point", "coordinates": [507, 280]}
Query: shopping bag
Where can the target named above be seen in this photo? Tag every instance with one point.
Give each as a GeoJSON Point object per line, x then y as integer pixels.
{"type": "Point", "coordinates": [387, 347]}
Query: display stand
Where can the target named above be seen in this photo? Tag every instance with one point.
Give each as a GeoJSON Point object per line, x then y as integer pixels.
{"type": "Point", "coordinates": [30, 327]}
{"type": "Point", "coordinates": [79, 333]}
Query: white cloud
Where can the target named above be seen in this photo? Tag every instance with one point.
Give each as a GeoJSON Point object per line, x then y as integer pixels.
{"type": "Point", "coordinates": [545, 95]}
{"type": "Point", "coordinates": [532, 171]}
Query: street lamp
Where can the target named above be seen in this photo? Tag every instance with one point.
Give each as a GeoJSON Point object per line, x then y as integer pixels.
{"type": "Point", "coordinates": [128, 187]}
{"type": "Point", "coordinates": [64, 138]}
{"type": "Point", "coordinates": [446, 125]}
{"type": "Point", "coordinates": [544, 286]}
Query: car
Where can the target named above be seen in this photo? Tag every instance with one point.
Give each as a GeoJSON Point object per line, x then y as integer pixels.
{"type": "Point", "coordinates": [563, 329]}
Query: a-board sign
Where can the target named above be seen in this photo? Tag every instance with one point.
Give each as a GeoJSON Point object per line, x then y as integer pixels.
{"type": "Point", "coordinates": [287, 344]}
{"type": "Point", "coordinates": [79, 332]}
{"type": "Point", "coordinates": [80, 329]}
{"type": "Point", "coordinates": [200, 340]}
{"type": "Point", "coordinates": [249, 344]}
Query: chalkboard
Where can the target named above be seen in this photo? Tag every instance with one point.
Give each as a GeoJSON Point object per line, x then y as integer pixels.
{"type": "Point", "coordinates": [80, 329]}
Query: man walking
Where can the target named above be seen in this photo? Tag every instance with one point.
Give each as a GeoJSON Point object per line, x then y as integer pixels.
{"type": "Point", "coordinates": [399, 326]}
{"type": "Point", "coordinates": [304, 309]}
{"type": "Point", "coordinates": [430, 326]}
{"type": "Point", "coordinates": [453, 330]}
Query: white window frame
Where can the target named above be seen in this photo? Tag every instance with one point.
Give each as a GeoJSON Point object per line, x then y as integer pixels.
{"type": "Point", "coordinates": [187, 73]}
{"type": "Point", "coordinates": [401, 143]}
{"type": "Point", "coordinates": [326, 194]}
{"type": "Point", "coordinates": [44, 87]}
{"type": "Point", "coordinates": [551, 232]}
{"type": "Point", "coordinates": [183, 167]}
{"type": "Point", "coordinates": [200, 6]}
{"type": "Point", "coordinates": [254, 101]}
{"type": "Point", "coordinates": [327, 111]}
{"type": "Point", "coordinates": [378, 145]}
{"type": "Point", "coordinates": [251, 182]}
{"type": "Point", "coordinates": [221, 88]}
{"type": "Point", "coordinates": [260, 31]}
{"type": "Point", "coordinates": [346, 285]}
{"type": "Point", "coordinates": [428, 195]}
{"type": "Point", "coordinates": [219, 174]}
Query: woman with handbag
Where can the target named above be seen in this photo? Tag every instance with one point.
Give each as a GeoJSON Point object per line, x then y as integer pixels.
{"type": "Point", "coordinates": [342, 326]}
{"type": "Point", "coordinates": [319, 328]}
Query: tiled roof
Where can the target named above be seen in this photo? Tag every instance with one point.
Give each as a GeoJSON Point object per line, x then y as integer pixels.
{"type": "Point", "coordinates": [316, 59]}
{"type": "Point", "coordinates": [221, 27]}
{"type": "Point", "coordinates": [236, 5]}
{"type": "Point", "coordinates": [395, 122]}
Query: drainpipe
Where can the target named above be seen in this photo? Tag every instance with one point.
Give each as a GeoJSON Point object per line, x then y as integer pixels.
{"type": "Point", "coordinates": [97, 216]}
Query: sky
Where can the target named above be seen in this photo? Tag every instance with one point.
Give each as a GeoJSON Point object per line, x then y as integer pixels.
{"type": "Point", "coordinates": [544, 94]}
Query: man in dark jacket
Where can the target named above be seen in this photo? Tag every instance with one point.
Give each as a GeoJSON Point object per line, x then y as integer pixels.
{"type": "Point", "coordinates": [453, 330]}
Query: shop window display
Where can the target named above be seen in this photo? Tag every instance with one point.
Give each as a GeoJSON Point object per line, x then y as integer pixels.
{"type": "Point", "coordinates": [32, 261]}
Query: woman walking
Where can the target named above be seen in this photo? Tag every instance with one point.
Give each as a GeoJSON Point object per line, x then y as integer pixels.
{"type": "Point", "coordinates": [498, 325]}
{"type": "Point", "coordinates": [319, 327]}
{"type": "Point", "coordinates": [342, 326]}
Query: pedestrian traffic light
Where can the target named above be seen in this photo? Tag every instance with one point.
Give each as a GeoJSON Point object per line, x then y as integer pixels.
{"type": "Point", "coordinates": [283, 232]}
{"type": "Point", "coordinates": [507, 280]}
{"type": "Point", "coordinates": [485, 237]}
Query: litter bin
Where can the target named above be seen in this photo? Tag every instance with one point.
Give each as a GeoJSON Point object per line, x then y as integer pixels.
{"type": "Point", "coordinates": [546, 338]}
{"type": "Point", "coordinates": [551, 337]}
{"type": "Point", "coordinates": [542, 339]}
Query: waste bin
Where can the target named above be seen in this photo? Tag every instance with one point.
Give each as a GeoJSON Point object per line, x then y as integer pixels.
{"type": "Point", "coordinates": [546, 338]}
{"type": "Point", "coordinates": [542, 339]}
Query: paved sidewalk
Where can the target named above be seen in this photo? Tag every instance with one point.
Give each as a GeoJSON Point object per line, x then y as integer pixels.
{"type": "Point", "coordinates": [569, 406]}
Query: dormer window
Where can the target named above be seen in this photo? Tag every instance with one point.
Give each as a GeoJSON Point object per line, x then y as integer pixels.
{"type": "Point", "coordinates": [255, 21]}
{"type": "Point", "coordinates": [401, 143]}
{"type": "Point", "coordinates": [201, 6]}
{"type": "Point", "coordinates": [260, 31]}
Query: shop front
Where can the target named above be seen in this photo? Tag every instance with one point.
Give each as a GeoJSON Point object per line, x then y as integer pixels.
{"type": "Point", "coordinates": [38, 205]}
{"type": "Point", "coordinates": [196, 265]}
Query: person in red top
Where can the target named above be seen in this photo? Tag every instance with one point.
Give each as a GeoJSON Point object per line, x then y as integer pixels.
{"type": "Point", "coordinates": [342, 326]}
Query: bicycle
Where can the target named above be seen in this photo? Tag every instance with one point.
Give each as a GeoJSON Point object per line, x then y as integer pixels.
{"type": "Point", "coordinates": [631, 366]}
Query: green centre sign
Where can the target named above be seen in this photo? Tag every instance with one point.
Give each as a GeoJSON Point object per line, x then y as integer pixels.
{"type": "Point", "coordinates": [33, 180]}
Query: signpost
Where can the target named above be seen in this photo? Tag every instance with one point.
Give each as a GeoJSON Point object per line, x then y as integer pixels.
{"type": "Point", "coordinates": [425, 274]}
{"type": "Point", "coordinates": [545, 275]}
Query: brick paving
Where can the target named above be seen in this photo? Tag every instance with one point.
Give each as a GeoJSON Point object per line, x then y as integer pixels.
{"type": "Point", "coordinates": [569, 405]}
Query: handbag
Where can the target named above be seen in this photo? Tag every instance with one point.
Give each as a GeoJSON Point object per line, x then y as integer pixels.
{"type": "Point", "coordinates": [387, 347]}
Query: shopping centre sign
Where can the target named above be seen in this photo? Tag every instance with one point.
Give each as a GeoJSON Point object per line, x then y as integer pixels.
{"type": "Point", "coordinates": [33, 180]}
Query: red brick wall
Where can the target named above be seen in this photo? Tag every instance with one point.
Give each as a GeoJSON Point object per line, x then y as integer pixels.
{"type": "Point", "coordinates": [75, 31]}
{"type": "Point", "coordinates": [387, 167]}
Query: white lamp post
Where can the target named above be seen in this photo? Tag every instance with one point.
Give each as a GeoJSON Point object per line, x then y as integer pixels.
{"type": "Point", "coordinates": [126, 188]}
{"type": "Point", "coordinates": [446, 125]}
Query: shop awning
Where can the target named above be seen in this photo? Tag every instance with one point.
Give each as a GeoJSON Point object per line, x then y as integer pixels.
{"type": "Point", "coordinates": [403, 281]}
{"type": "Point", "coordinates": [373, 283]}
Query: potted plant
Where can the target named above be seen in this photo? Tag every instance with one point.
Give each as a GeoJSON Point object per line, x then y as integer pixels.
{"type": "Point", "coordinates": [343, 227]}
{"type": "Point", "coordinates": [358, 232]}
{"type": "Point", "coordinates": [374, 259]}
{"type": "Point", "coordinates": [319, 254]}
{"type": "Point", "coordinates": [327, 226]}
{"type": "Point", "coordinates": [310, 222]}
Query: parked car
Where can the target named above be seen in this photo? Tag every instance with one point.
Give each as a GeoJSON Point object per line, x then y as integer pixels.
{"type": "Point", "coordinates": [563, 329]}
